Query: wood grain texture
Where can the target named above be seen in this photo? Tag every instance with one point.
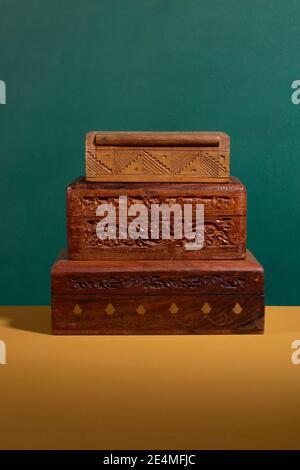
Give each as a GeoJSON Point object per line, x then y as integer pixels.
{"type": "Point", "coordinates": [173, 297]}
{"type": "Point", "coordinates": [224, 213]}
{"type": "Point", "coordinates": [157, 156]}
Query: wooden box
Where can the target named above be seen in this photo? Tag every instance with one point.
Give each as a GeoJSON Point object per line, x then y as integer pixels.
{"type": "Point", "coordinates": [157, 156]}
{"type": "Point", "coordinates": [169, 297]}
{"type": "Point", "coordinates": [224, 220]}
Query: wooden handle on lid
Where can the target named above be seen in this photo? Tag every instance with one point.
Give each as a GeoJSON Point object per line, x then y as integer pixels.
{"type": "Point", "coordinates": [159, 139]}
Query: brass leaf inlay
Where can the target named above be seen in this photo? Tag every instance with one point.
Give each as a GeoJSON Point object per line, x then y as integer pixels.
{"type": "Point", "coordinates": [141, 310]}
{"type": "Point", "coordinates": [174, 309]}
{"type": "Point", "coordinates": [77, 310]}
{"type": "Point", "coordinates": [237, 309]}
{"type": "Point", "coordinates": [110, 309]}
{"type": "Point", "coordinates": [206, 308]}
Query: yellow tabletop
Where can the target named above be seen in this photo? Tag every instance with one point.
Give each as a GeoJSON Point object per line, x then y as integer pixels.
{"type": "Point", "coordinates": [148, 392]}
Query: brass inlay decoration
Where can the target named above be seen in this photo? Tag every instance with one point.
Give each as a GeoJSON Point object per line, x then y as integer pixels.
{"type": "Point", "coordinates": [174, 309]}
{"type": "Point", "coordinates": [237, 309]}
{"type": "Point", "coordinates": [141, 310]}
{"type": "Point", "coordinates": [77, 310]}
{"type": "Point", "coordinates": [206, 308]}
{"type": "Point", "coordinates": [110, 309]}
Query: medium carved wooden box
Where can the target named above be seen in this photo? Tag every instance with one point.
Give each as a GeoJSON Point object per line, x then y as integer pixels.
{"type": "Point", "coordinates": [224, 220]}
{"type": "Point", "coordinates": [157, 156]}
{"type": "Point", "coordinates": [170, 297]}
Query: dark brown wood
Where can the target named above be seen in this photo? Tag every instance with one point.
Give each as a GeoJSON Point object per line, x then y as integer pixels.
{"type": "Point", "coordinates": [171, 297]}
{"type": "Point", "coordinates": [157, 156]}
{"type": "Point", "coordinates": [161, 139]}
{"type": "Point", "coordinates": [225, 220]}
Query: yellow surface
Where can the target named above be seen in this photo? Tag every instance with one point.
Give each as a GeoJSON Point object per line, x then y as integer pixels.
{"type": "Point", "coordinates": [168, 392]}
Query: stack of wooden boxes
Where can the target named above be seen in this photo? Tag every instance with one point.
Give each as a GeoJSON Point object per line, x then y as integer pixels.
{"type": "Point", "coordinates": [154, 285]}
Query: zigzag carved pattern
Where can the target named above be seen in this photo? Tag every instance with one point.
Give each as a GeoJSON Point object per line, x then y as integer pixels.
{"type": "Point", "coordinates": [207, 166]}
{"type": "Point", "coordinates": [169, 162]}
{"type": "Point", "coordinates": [180, 160]}
{"type": "Point", "coordinates": [95, 167]}
{"type": "Point", "coordinates": [121, 161]}
{"type": "Point", "coordinates": [148, 164]}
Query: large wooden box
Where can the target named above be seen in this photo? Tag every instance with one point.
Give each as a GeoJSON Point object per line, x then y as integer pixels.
{"type": "Point", "coordinates": [157, 156]}
{"type": "Point", "coordinates": [169, 297]}
{"type": "Point", "coordinates": [224, 220]}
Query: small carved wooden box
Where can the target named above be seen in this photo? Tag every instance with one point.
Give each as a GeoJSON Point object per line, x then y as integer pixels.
{"type": "Point", "coordinates": [157, 156]}
{"type": "Point", "coordinates": [170, 297]}
{"type": "Point", "coordinates": [224, 220]}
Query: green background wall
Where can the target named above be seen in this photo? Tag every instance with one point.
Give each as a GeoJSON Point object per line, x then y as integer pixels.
{"type": "Point", "coordinates": [74, 66]}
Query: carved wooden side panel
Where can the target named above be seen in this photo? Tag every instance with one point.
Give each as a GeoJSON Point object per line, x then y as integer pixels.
{"type": "Point", "coordinates": [224, 238]}
{"type": "Point", "coordinates": [85, 205]}
{"type": "Point", "coordinates": [224, 216]}
{"type": "Point", "coordinates": [157, 283]}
